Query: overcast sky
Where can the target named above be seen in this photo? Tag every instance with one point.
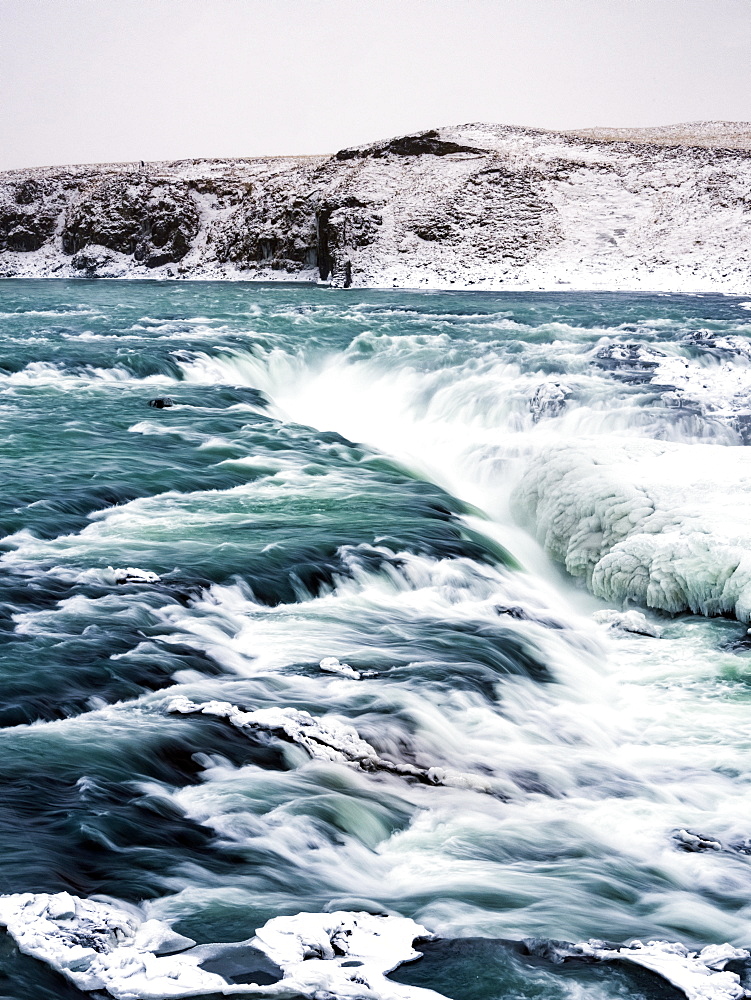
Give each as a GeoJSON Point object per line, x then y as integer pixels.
{"type": "Point", "coordinates": [108, 80]}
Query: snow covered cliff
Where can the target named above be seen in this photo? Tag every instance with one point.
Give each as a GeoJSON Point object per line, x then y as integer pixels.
{"type": "Point", "coordinates": [483, 206]}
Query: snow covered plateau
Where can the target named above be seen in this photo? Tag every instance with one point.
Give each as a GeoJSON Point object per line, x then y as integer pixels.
{"type": "Point", "coordinates": [480, 206]}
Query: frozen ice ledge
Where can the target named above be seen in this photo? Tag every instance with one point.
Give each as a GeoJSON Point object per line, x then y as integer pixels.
{"type": "Point", "coordinates": [661, 524]}
{"type": "Point", "coordinates": [105, 944]}
{"type": "Point", "coordinates": [481, 206]}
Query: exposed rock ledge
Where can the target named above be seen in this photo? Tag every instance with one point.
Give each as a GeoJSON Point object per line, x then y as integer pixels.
{"type": "Point", "coordinates": [483, 206]}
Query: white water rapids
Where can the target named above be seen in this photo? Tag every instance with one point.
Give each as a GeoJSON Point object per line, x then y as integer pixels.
{"type": "Point", "coordinates": [553, 745]}
{"type": "Point", "coordinates": [640, 736]}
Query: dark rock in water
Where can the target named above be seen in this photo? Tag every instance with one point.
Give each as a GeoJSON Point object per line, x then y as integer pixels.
{"type": "Point", "coordinates": [161, 402]}
{"type": "Point", "coordinates": [628, 360]}
{"type": "Point", "coordinates": [686, 840]}
{"type": "Point", "coordinates": [551, 950]}
{"type": "Point", "coordinates": [721, 347]}
{"type": "Point", "coordinates": [741, 644]}
{"type": "Point", "coordinates": [512, 611]}
{"type": "Point", "coordinates": [133, 575]}
{"type": "Point", "coordinates": [695, 842]}
{"type": "Point", "coordinates": [549, 400]}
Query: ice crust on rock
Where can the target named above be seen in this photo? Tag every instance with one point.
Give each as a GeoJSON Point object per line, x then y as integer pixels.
{"type": "Point", "coordinates": [688, 840]}
{"type": "Point", "coordinates": [711, 375]}
{"type": "Point", "coordinates": [628, 360]}
{"type": "Point", "coordinates": [101, 944]}
{"type": "Point", "coordinates": [131, 574]}
{"type": "Point", "coordinates": [331, 665]}
{"type": "Point", "coordinates": [325, 741]}
{"type": "Point", "coordinates": [661, 524]}
{"type": "Point", "coordinates": [344, 954]}
{"type": "Point", "coordinates": [695, 843]}
{"type": "Point", "coordinates": [722, 390]}
{"type": "Point", "coordinates": [549, 399]}
{"type": "Point", "coordinates": [105, 944]}
{"type": "Point", "coordinates": [699, 975]}
{"type": "Point", "coordinates": [628, 621]}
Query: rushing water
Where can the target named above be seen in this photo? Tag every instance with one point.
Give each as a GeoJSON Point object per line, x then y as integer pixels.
{"type": "Point", "coordinates": [336, 479]}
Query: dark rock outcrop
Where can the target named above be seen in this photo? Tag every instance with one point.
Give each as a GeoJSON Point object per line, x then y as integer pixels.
{"type": "Point", "coordinates": [502, 212]}
{"type": "Point", "coordinates": [276, 228]}
{"type": "Point", "coordinates": [419, 144]}
{"type": "Point", "coordinates": [28, 216]}
{"type": "Point", "coordinates": [128, 214]}
{"type": "Point", "coordinates": [24, 231]}
{"type": "Point", "coordinates": [343, 227]}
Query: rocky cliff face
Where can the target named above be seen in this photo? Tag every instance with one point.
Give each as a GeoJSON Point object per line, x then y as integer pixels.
{"type": "Point", "coordinates": [483, 206]}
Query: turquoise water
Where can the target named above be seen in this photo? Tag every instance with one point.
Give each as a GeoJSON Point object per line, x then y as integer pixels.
{"type": "Point", "coordinates": [334, 480]}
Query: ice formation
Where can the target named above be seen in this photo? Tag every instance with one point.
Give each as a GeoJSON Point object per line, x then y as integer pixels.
{"type": "Point", "coordinates": [102, 944]}
{"type": "Point", "coordinates": [105, 944]}
{"type": "Point", "coordinates": [628, 621]}
{"type": "Point", "coordinates": [331, 665]}
{"type": "Point", "coordinates": [344, 954]}
{"type": "Point", "coordinates": [699, 975]}
{"type": "Point", "coordinates": [325, 740]}
{"type": "Point", "coordinates": [662, 524]}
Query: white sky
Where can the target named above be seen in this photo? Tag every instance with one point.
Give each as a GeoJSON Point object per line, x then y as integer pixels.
{"type": "Point", "coordinates": [108, 80]}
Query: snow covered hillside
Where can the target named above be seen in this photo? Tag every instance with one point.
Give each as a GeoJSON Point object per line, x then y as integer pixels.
{"type": "Point", "coordinates": [485, 206]}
